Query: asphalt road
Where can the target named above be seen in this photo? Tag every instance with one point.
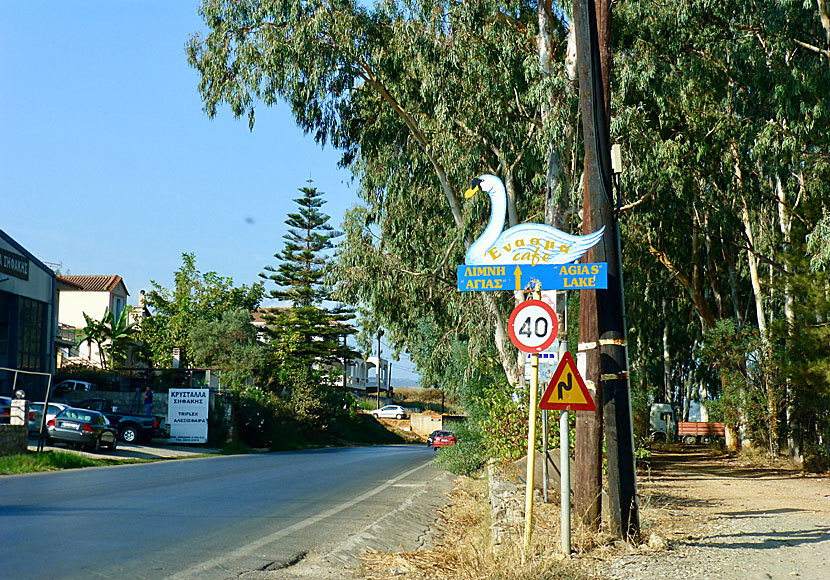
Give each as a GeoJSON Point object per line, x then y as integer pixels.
{"type": "Point", "coordinates": [206, 518]}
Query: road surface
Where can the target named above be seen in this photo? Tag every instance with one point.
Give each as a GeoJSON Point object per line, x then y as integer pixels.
{"type": "Point", "coordinates": [207, 518]}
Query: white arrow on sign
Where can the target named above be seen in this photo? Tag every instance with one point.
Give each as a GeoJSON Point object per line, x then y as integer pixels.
{"type": "Point", "coordinates": [533, 326]}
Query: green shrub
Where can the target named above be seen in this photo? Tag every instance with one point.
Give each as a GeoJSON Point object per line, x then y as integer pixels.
{"type": "Point", "coordinates": [816, 459]}
{"type": "Point", "coordinates": [218, 427]}
{"type": "Point", "coordinates": [102, 379]}
{"type": "Point", "coordinates": [363, 429]}
{"type": "Point", "coordinates": [468, 455]}
{"type": "Point", "coordinates": [235, 448]}
{"type": "Point", "coordinates": [463, 458]}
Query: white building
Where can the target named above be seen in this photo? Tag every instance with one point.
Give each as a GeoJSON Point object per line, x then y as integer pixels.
{"type": "Point", "coordinates": [92, 295]}
{"type": "Point", "coordinates": [357, 374]}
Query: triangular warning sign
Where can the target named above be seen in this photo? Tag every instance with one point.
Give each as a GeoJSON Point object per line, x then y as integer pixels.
{"type": "Point", "coordinates": [567, 390]}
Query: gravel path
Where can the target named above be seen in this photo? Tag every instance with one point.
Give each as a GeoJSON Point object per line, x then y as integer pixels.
{"type": "Point", "coordinates": [724, 520]}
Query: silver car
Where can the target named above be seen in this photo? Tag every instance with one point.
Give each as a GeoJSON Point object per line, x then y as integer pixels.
{"type": "Point", "coordinates": [390, 412]}
{"type": "Point", "coordinates": [82, 428]}
{"type": "Point", "coordinates": [36, 413]}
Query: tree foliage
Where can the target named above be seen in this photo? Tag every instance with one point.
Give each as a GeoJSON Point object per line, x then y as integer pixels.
{"type": "Point", "coordinates": [196, 298]}
{"type": "Point", "coordinates": [420, 97]}
{"type": "Point", "coordinates": [300, 275]}
{"type": "Point", "coordinates": [112, 335]}
{"type": "Point", "coordinates": [305, 338]}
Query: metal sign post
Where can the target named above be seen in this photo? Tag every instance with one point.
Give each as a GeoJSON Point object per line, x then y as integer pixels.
{"type": "Point", "coordinates": [566, 392]}
{"type": "Point", "coordinates": [46, 399]}
{"type": "Point", "coordinates": [531, 453]}
{"type": "Point", "coordinates": [532, 327]}
{"type": "Point", "coordinates": [565, 479]}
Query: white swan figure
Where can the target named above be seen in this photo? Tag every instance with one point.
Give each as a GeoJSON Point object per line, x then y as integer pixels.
{"type": "Point", "coordinates": [525, 243]}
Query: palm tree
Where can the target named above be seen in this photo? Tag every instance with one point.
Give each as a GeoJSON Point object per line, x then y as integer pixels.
{"type": "Point", "coordinates": [112, 335]}
{"type": "Point", "coordinates": [93, 332]}
{"type": "Point", "coordinates": [116, 333]}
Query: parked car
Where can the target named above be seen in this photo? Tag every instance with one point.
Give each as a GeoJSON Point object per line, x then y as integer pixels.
{"type": "Point", "coordinates": [82, 428]}
{"type": "Point", "coordinates": [443, 439]}
{"type": "Point", "coordinates": [5, 409]}
{"type": "Point", "coordinates": [133, 428]}
{"type": "Point", "coordinates": [68, 386]}
{"type": "Point", "coordinates": [390, 412]}
{"type": "Point", "coordinates": [36, 414]}
{"type": "Point", "coordinates": [431, 437]}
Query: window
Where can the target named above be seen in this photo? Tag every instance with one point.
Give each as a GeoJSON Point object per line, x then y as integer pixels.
{"type": "Point", "coordinates": [31, 335]}
{"type": "Point", "coordinates": [117, 306]}
{"type": "Point", "coordinates": [5, 314]}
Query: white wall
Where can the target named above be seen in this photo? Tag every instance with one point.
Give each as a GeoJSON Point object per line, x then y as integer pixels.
{"type": "Point", "coordinates": [73, 305]}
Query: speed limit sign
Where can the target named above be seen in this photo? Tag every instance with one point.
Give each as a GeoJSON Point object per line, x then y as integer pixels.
{"type": "Point", "coordinates": [533, 326]}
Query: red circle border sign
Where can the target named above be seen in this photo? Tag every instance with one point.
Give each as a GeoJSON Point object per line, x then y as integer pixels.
{"type": "Point", "coordinates": [515, 339]}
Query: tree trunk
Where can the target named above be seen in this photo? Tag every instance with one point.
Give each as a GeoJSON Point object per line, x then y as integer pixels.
{"type": "Point", "coordinates": [785, 222]}
{"type": "Point", "coordinates": [703, 396]}
{"type": "Point", "coordinates": [687, 396]}
{"type": "Point", "coordinates": [667, 386]}
{"type": "Point", "coordinates": [752, 259]}
{"type": "Point", "coordinates": [730, 259]}
{"type": "Point", "coordinates": [824, 16]}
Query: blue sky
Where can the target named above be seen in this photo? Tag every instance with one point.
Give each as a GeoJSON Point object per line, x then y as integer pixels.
{"type": "Point", "coordinates": [108, 165]}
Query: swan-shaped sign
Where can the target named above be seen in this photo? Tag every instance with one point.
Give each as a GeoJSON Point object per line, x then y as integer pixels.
{"type": "Point", "coordinates": [525, 243]}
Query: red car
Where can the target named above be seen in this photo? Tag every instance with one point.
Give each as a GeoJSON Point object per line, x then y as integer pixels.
{"type": "Point", "coordinates": [443, 439]}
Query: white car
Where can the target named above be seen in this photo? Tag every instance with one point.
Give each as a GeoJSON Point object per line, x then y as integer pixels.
{"type": "Point", "coordinates": [64, 387]}
{"type": "Point", "coordinates": [390, 412]}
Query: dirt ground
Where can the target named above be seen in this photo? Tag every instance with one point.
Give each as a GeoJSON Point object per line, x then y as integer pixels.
{"type": "Point", "coordinates": [722, 517]}
{"type": "Point", "coordinates": [705, 515]}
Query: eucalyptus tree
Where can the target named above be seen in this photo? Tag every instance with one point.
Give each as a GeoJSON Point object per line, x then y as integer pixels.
{"type": "Point", "coordinates": [726, 109]}
{"type": "Point", "coordinates": [420, 97]}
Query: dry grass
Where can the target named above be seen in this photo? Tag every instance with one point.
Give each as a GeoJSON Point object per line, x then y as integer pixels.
{"type": "Point", "coordinates": [464, 551]}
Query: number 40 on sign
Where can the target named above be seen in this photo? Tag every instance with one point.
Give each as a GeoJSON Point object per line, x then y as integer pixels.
{"type": "Point", "coordinates": [533, 326]}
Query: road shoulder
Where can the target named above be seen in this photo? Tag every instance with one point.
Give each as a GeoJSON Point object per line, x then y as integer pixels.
{"type": "Point", "coordinates": [409, 527]}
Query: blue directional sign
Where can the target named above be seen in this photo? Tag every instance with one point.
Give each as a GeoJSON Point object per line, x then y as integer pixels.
{"type": "Point", "coordinates": [520, 277]}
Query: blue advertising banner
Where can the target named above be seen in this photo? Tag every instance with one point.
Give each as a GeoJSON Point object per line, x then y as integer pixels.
{"type": "Point", "coordinates": [521, 277]}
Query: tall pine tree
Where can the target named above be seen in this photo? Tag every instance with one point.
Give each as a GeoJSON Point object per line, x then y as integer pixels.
{"type": "Point", "coordinates": [308, 335]}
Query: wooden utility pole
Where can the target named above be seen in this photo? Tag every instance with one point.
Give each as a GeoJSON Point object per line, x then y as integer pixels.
{"type": "Point", "coordinates": [601, 331]}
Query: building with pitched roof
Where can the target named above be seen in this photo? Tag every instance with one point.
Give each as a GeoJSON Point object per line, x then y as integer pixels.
{"type": "Point", "coordinates": [92, 295]}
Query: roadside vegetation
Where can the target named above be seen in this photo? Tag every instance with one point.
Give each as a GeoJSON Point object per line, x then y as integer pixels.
{"type": "Point", "coordinates": [53, 461]}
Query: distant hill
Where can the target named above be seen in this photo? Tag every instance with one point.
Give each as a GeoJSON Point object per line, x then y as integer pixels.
{"type": "Point", "coordinates": [404, 382]}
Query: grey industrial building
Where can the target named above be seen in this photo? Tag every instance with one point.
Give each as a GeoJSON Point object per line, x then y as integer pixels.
{"type": "Point", "coordinates": [28, 319]}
